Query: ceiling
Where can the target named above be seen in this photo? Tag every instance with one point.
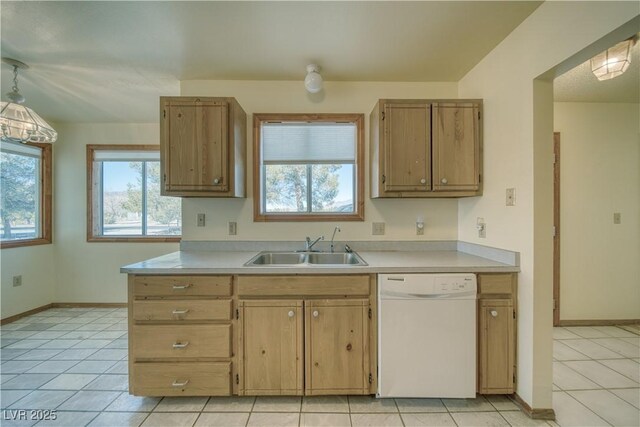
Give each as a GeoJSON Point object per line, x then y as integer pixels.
{"type": "Point", "coordinates": [109, 61]}
{"type": "Point", "coordinates": [581, 85]}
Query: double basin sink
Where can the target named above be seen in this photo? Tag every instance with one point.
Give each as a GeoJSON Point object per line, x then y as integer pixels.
{"type": "Point", "coordinates": [302, 259]}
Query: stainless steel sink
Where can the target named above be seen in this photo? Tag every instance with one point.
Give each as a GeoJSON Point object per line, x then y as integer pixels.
{"type": "Point", "coordinates": [302, 259]}
{"type": "Point", "coordinates": [278, 258]}
{"type": "Point", "coordinates": [328, 258]}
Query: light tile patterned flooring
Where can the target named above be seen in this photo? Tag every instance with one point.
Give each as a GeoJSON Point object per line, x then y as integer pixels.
{"type": "Point", "coordinates": [75, 361]}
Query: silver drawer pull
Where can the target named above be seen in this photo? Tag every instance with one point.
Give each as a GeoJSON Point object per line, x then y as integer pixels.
{"type": "Point", "coordinates": [182, 384]}
{"type": "Point", "coordinates": [396, 279]}
{"type": "Point", "coordinates": [180, 287]}
{"type": "Point", "coordinates": [180, 312]}
{"type": "Point", "coordinates": [180, 345]}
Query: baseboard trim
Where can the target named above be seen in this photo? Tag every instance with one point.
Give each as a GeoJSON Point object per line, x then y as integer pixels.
{"type": "Point", "coordinates": [18, 316]}
{"type": "Point", "coordinates": [534, 413]}
{"type": "Point", "coordinates": [89, 305]}
{"type": "Point", "coordinates": [599, 322]}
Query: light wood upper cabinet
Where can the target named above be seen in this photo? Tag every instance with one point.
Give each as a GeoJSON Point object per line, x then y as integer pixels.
{"type": "Point", "coordinates": [496, 333]}
{"type": "Point", "coordinates": [456, 146]}
{"type": "Point", "coordinates": [202, 147]}
{"type": "Point", "coordinates": [407, 158]}
{"type": "Point", "coordinates": [271, 348]}
{"type": "Point", "coordinates": [426, 148]}
{"type": "Point", "coordinates": [336, 347]}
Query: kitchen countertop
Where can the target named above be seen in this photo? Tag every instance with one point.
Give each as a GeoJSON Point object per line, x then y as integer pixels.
{"type": "Point", "coordinates": [222, 262]}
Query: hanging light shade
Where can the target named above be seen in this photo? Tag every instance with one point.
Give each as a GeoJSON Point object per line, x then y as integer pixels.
{"type": "Point", "coordinates": [613, 61]}
{"type": "Point", "coordinates": [19, 123]}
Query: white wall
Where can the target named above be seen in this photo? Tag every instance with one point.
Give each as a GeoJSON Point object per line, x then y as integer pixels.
{"type": "Point", "coordinates": [90, 272]}
{"type": "Point", "coordinates": [36, 265]}
{"type": "Point", "coordinates": [518, 152]}
{"type": "Point", "coordinates": [599, 175]}
{"type": "Point", "coordinates": [339, 97]}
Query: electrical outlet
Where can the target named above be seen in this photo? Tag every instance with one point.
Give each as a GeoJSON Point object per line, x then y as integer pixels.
{"type": "Point", "coordinates": [617, 218]}
{"type": "Point", "coordinates": [233, 228]}
{"type": "Point", "coordinates": [17, 281]}
{"type": "Point", "coordinates": [377, 228]}
{"type": "Point", "coordinates": [420, 226]}
{"type": "Point", "coordinates": [200, 220]}
{"type": "Point", "coordinates": [511, 197]}
{"type": "Point", "coordinates": [482, 228]}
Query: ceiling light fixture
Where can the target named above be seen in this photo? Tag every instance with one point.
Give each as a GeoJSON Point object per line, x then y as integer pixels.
{"type": "Point", "coordinates": [613, 61]}
{"type": "Point", "coordinates": [19, 123]}
{"type": "Point", "coordinates": [313, 80]}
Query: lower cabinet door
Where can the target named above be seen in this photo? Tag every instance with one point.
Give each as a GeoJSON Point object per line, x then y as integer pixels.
{"type": "Point", "coordinates": [337, 347]}
{"type": "Point", "coordinates": [270, 348]}
{"type": "Point", "coordinates": [496, 346]}
{"type": "Point", "coordinates": [181, 379]}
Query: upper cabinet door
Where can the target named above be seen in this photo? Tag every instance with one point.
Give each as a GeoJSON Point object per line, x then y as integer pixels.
{"type": "Point", "coordinates": [202, 146]}
{"type": "Point", "coordinates": [407, 152]}
{"type": "Point", "coordinates": [456, 146]}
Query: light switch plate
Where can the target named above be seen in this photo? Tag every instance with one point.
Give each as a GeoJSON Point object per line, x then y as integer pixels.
{"type": "Point", "coordinates": [233, 228]}
{"type": "Point", "coordinates": [482, 228]}
{"type": "Point", "coordinates": [377, 228]}
{"type": "Point", "coordinates": [200, 220]}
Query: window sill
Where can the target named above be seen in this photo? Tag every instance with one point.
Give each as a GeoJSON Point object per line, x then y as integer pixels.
{"type": "Point", "coordinates": [308, 217]}
{"type": "Point", "coordinates": [26, 242]}
{"type": "Point", "coordinates": [133, 239]}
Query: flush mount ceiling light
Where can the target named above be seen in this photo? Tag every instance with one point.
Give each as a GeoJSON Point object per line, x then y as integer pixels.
{"type": "Point", "coordinates": [613, 61]}
{"type": "Point", "coordinates": [313, 81]}
{"type": "Point", "coordinates": [19, 123]}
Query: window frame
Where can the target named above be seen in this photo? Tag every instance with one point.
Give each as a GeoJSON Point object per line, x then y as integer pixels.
{"type": "Point", "coordinates": [356, 118]}
{"type": "Point", "coordinates": [45, 200]}
{"type": "Point", "coordinates": [93, 194]}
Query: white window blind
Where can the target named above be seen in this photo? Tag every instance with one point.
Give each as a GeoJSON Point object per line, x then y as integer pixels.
{"type": "Point", "coordinates": [21, 149]}
{"type": "Point", "coordinates": [308, 142]}
{"type": "Point", "coordinates": [125, 155]}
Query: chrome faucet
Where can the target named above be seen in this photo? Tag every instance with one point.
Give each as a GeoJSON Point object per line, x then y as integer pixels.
{"type": "Point", "coordinates": [337, 229]}
{"type": "Point", "coordinates": [309, 244]}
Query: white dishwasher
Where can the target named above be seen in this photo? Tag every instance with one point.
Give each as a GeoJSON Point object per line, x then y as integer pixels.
{"type": "Point", "coordinates": [427, 335]}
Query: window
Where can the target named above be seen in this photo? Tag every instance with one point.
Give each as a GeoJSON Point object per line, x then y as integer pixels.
{"type": "Point", "coordinates": [124, 201]}
{"type": "Point", "coordinates": [308, 167]}
{"type": "Point", "coordinates": [25, 202]}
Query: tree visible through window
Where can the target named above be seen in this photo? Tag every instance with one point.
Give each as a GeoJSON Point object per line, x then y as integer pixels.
{"type": "Point", "coordinates": [126, 195]}
{"type": "Point", "coordinates": [23, 220]}
{"type": "Point", "coordinates": [309, 170]}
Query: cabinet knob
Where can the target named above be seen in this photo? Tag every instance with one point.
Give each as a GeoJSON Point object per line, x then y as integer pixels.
{"type": "Point", "coordinates": [444, 180]}
{"type": "Point", "coordinates": [423, 181]}
{"type": "Point", "coordinates": [291, 313]}
{"type": "Point", "coordinates": [494, 313]}
{"type": "Point", "coordinates": [315, 313]}
{"type": "Point", "coordinates": [217, 180]}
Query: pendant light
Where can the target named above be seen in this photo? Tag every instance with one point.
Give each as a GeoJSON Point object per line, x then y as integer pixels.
{"type": "Point", "coordinates": [19, 123]}
{"type": "Point", "coordinates": [313, 80]}
{"type": "Point", "coordinates": [613, 61]}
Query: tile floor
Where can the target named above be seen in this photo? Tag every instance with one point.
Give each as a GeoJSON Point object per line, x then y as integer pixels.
{"type": "Point", "coordinates": [74, 361]}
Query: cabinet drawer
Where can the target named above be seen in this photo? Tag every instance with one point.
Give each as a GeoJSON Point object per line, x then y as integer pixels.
{"type": "Point", "coordinates": [181, 341]}
{"type": "Point", "coordinates": [159, 286]}
{"type": "Point", "coordinates": [180, 310]}
{"type": "Point", "coordinates": [181, 379]}
{"type": "Point", "coordinates": [495, 284]}
{"type": "Point", "coordinates": [301, 286]}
